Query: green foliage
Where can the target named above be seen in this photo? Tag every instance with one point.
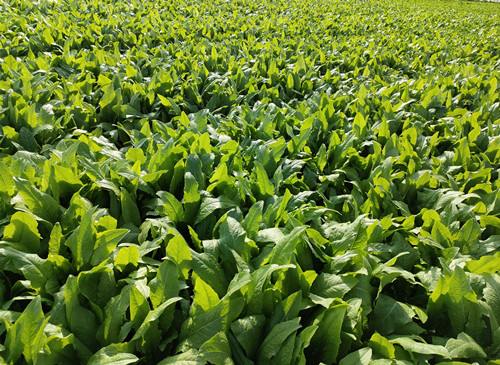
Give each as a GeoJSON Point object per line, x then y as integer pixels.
{"type": "Point", "coordinates": [249, 182]}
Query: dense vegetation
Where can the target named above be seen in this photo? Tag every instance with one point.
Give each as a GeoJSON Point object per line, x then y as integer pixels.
{"type": "Point", "coordinates": [249, 182]}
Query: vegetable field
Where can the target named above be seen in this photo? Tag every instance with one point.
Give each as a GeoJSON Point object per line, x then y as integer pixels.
{"type": "Point", "coordinates": [249, 182]}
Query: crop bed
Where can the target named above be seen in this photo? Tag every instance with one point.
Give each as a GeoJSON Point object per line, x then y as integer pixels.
{"type": "Point", "coordinates": [249, 182]}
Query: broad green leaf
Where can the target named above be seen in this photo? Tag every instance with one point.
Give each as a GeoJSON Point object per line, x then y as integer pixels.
{"type": "Point", "coordinates": [285, 247]}
{"type": "Point", "coordinates": [127, 256]}
{"type": "Point", "coordinates": [39, 272]}
{"type": "Point", "coordinates": [56, 240]}
{"type": "Point", "coordinates": [209, 205]}
{"type": "Point", "coordinates": [390, 316]}
{"type": "Point", "coordinates": [136, 154]}
{"type": "Point", "coordinates": [209, 270]}
{"type": "Point", "coordinates": [22, 233]}
{"type": "Point", "coordinates": [469, 233]}
{"type": "Point", "coordinates": [113, 354]}
{"type": "Point", "coordinates": [464, 347]}
{"type": "Point", "coordinates": [248, 331]}
{"type": "Point", "coordinates": [303, 341]}
{"type": "Point", "coordinates": [361, 357]}
{"type": "Point", "coordinates": [189, 357]}
{"type": "Point", "coordinates": [253, 219]}
{"type": "Point", "coordinates": [178, 249]}
{"type": "Point", "coordinates": [232, 237]}
{"type": "Point", "coordinates": [139, 307]}
{"type": "Point", "coordinates": [192, 196]}
{"type": "Point", "coordinates": [81, 242]}
{"type": "Point", "coordinates": [6, 179]}
{"type": "Point", "coordinates": [217, 350]}
{"type": "Point", "coordinates": [165, 285]}
{"type": "Point", "coordinates": [81, 321]}
{"type": "Point", "coordinates": [332, 286]}
{"type": "Point", "coordinates": [492, 293]}
{"type": "Point", "coordinates": [98, 285]}
{"type": "Point", "coordinates": [66, 180]}
{"type": "Point", "coordinates": [381, 346]}
{"type": "Point", "coordinates": [347, 235]}
{"type": "Point", "coordinates": [114, 316]}
{"type": "Point", "coordinates": [265, 186]}
{"type": "Point", "coordinates": [26, 336]}
{"type": "Point", "coordinates": [153, 316]}
{"type": "Point", "coordinates": [486, 264]}
{"type": "Point", "coordinates": [40, 204]}
{"type": "Point", "coordinates": [130, 211]}
{"type": "Point", "coordinates": [204, 295]}
{"type": "Point", "coordinates": [413, 346]}
{"type": "Point", "coordinates": [326, 340]}
{"type": "Point", "coordinates": [173, 208]}
{"type": "Point", "coordinates": [462, 304]}
{"type": "Point", "coordinates": [105, 243]}
{"type": "Point", "coordinates": [275, 339]}
{"type": "Point", "coordinates": [198, 330]}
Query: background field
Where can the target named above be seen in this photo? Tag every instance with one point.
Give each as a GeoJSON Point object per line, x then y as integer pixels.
{"type": "Point", "coordinates": [249, 182]}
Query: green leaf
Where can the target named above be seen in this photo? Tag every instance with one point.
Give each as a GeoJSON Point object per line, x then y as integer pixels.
{"type": "Point", "coordinates": [198, 330]}
{"type": "Point", "coordinates": [22, 233]}
{"type": "Point", "coordinates": [66, 180]}
{"type": "Point", "coordinates": [217, 350]}
{"type": "Point", "coordinates": [105, 243]}
{"type": "Point", "coordinates": [81, 321]}
{"type": "Point", "coordinates": [165, 285]}
{"type": "Point", "coordinates": [359, 125]}
{"type": "Point", "coordinates": [130, 211]}
{"type": "Point", "coordinates": [173, 208]}
{"type": "Point", "coordinates": [136, 154]}
{"type": "Point", "coordinates": [81, 242]}
{"type": "Point", "coordinates": [492, 293]}
{"type": "Point", "coordinates": [26, 336]}
{"type": "Point", "coordinates": [153, 316]}
{"type": "Point", "coordinates": [347, 235]}
{"type": "Point", "coordinates": [303, 341]}
{"type": "Point", "coordinates": [127, 256]}
{"type": "Point", "coordinates": [326, 340]}
{"type": "Point", "coordinates": [248, 331]}
{"type": "Point", "coordinates": [486, 264]}
{"type": "Point", "coordinates": [192, 197]}
{"type": "Point", "coordinates": [275, 339]}
{"type": "Point", "coordinates": [207, 268]}
{"type": "Point", "coordinates": [361, 357]}
{"type": "Point", "coordinates": [38, 271]}
{"type": "Point", "coordinates": [40, 204]}
{"type": "Point", "coordinates": [264, 184]}
{"type": "Point", "coordinates": [189, 357]}
{"type": "Point", "coordinates": [139, 307]}
{"type": "Point", "coordinates": [389, 316]}
{"type": "Point", "coordinates": [232, 237]}
{"type": "Point", "coordinates": [332, 286]}
{"type": "Point", "coordinates": [253, 219]}
{"type": "Point", "coordinates": [204, 295]}
{"type": "Point", "coordinates": [6, 179]}
{"type": "Point", "coordinates": [381, 346]}
{"type": "Point", "coordinates": [462, 300]}
{"type": "Point", "coordinates": [209, 205]}
{"type": "Point", "coordinates": [285, 247]}
{"type": "Point", "coordinates": [113, 354]}
{"type": "Point", "coordinates": [464, 347]}
{"type": "Point", "coordinates": [178, 249]}
{"type": "Point", "coordinates": [469, 233]}
{"type": "Point", "coordinates": [413, 346]}
{"type": "Point", "coordinates": [114, 316]}
{"type": "Point", "coordinates": [56, 239]}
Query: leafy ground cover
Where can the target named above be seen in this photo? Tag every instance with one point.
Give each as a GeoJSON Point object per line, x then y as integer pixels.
{"type": "Point", "coordinates": [249, 182]}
